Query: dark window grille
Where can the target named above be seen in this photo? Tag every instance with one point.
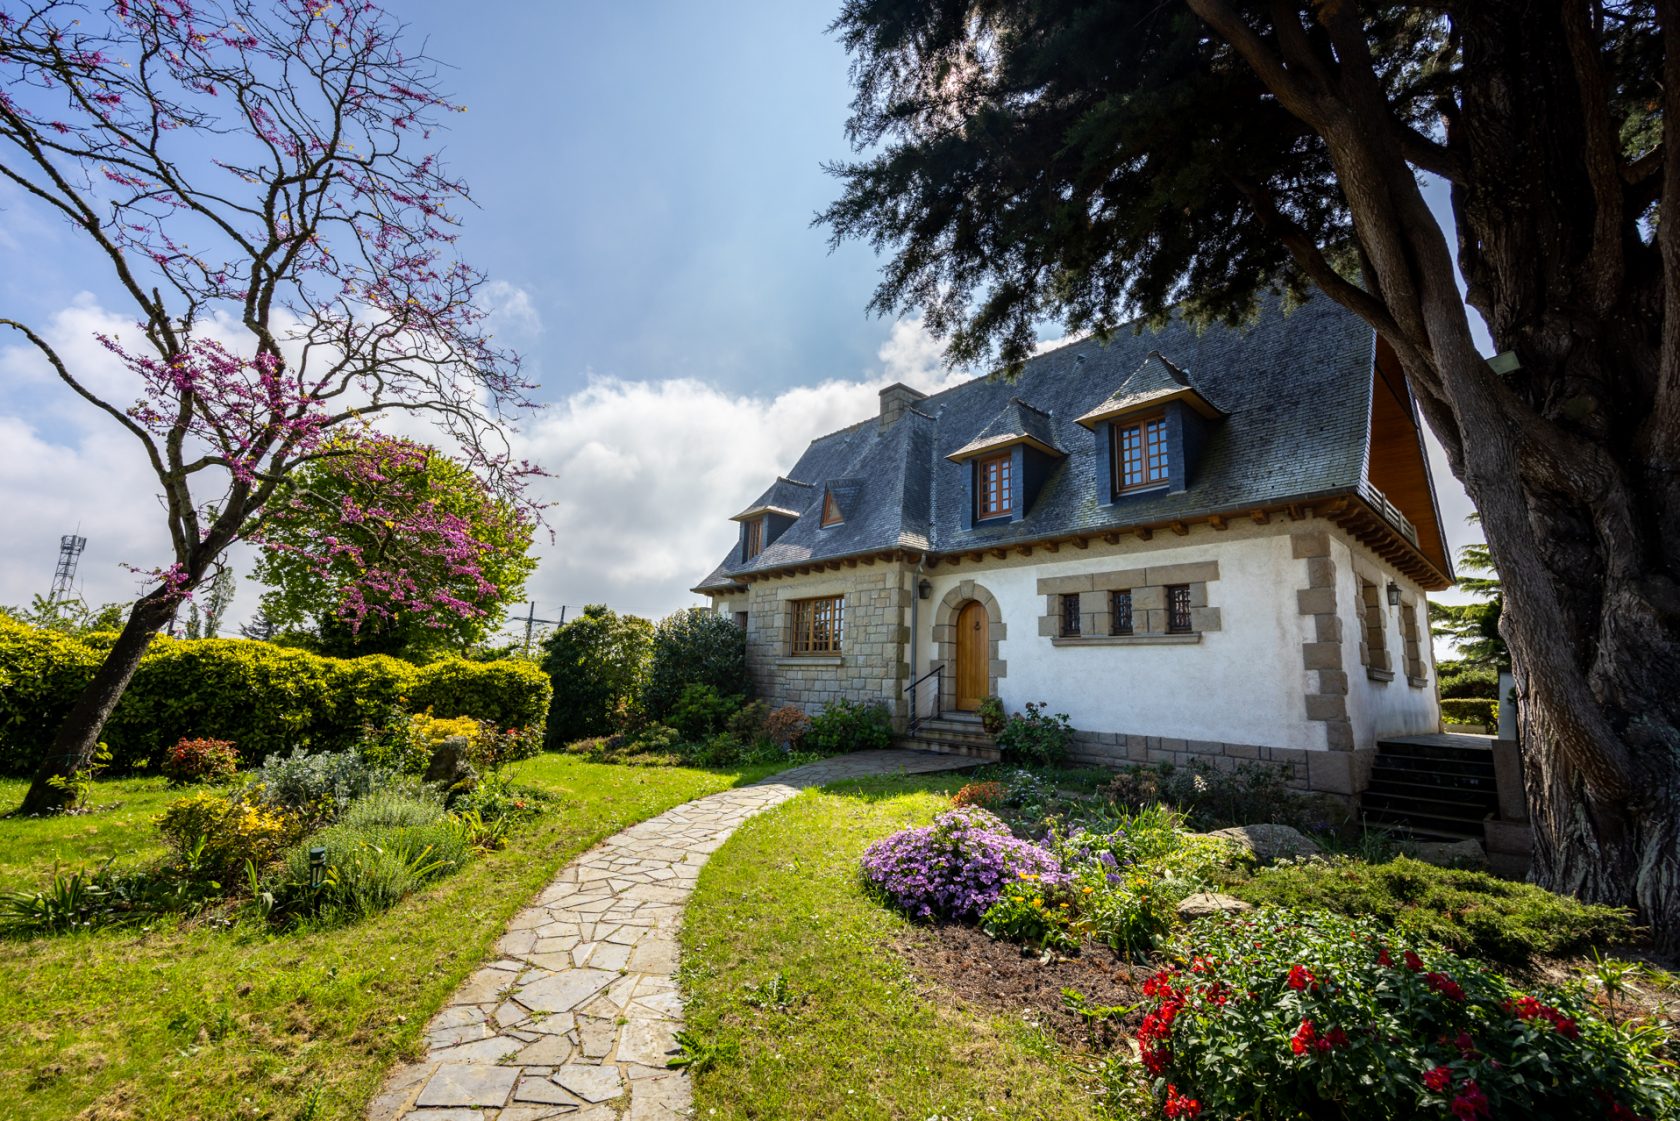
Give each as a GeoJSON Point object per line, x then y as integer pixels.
{"type": "Point", "coordinates": [1178, 608]}
{"type": "Point", "coordinates": [1120, 612]}
{"type": "Point", "coordinates": [1070, 616]}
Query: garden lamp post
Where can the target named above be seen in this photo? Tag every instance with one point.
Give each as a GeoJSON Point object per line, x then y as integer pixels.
{"type": "Point", "coordinates": [317, 868]}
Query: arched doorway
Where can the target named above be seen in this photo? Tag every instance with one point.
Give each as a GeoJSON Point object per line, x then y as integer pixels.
{"type": "Point", "coordinates": [973, 653]}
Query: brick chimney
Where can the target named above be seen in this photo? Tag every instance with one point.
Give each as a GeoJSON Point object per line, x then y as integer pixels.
{"type": "Point", "coordinates": [895, 399]}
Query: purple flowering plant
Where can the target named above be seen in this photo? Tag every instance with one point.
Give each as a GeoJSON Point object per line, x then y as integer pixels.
{"type": "Point", "coordinates": [957, 867]}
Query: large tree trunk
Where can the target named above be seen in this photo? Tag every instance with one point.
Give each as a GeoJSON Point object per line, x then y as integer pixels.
{"type": "Point", "coordinates": [78, 737]}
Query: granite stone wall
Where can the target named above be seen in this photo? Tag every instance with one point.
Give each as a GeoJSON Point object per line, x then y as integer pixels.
{"type": "Point", "coordinates": [872, 664]}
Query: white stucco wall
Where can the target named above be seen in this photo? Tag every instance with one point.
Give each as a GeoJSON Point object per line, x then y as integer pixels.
{"type": "Point", "coordinates": [1241, 684]}
{"type": "Point", "coordinates": [1380, 708]}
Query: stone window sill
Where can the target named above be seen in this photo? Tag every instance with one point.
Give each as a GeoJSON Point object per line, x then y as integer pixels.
{"type": "Point", "coordinates": [1417, 682]}
{"type": "Point", "coordinates": [1382, 675]}
{"type": "Point", "coordinates": [811, 660]}
{"type": "Point", "coordinates": [1129, 640]}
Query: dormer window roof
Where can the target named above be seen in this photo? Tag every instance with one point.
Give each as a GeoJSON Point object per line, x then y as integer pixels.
{"type": "Point", "coordinates": [1018, 423]}
{"type": "Point", "coordinates": [1150, 386]}
{"type": "Point", "coordinates": [786, 497]}
{"type": "Point", "coordinates": [839, 497]}
{"type": "Point", "coordinates": [831, 514]}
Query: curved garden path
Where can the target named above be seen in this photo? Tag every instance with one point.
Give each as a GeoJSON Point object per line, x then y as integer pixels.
{"type": "Point", "coordinates": [577, 1018]}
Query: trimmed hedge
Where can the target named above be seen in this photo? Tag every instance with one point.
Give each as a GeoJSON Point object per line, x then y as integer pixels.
{"type": "Point", "coordinates": [1469, 710]}
{"type": "Point", "coordinates": [264, 698]}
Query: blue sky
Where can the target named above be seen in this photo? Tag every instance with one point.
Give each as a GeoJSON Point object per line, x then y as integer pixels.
{"type": "Point", "coordinates": [646, 176]}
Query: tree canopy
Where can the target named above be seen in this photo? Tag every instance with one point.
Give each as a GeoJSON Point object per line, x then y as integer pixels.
{"type": "Point", "coordinates": [394, 548]}
{"type": "Point", "coordinates": [1474, 627]}
{"type": "Point", "coordinates": [599, 665]}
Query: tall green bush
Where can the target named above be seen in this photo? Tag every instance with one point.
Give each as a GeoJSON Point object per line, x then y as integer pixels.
{"type": "Point", "coordinates": [598, 664]}
{"type": "Point", "coordinates": [694, 647]}
{"type": "Point", "coordinates": [264, 698]}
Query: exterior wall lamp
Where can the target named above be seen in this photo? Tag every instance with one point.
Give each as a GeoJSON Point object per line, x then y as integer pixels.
{"type": "Point", "coordinates": [1393, 594]}
{"type": "Point", "coordinates": [924, 589]}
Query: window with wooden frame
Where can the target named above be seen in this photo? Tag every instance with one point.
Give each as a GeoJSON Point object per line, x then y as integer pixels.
{"type": "Point", "coordinates": [1120, 612]}
{"type": "Point", "coordinates": [1178, 608]}
{"type": "Point", "coordinates": [817, 624]}
{"type": "Point", "coordinates": [1070, 616]}
{"type": "Point", "coordinates": [755, 537]}
{"type": "Point", "coordinates": [1140, 453]}
{"type": "Point", "coordinates": [831, 514]}
{"type": "Point", "coordinates": [994, 491]}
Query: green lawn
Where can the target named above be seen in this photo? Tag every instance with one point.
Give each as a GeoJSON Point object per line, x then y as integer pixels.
{"type": "Point", "coordinates": [195, 1024]}
{"type": "Point", "coordinates": [859, 1038]}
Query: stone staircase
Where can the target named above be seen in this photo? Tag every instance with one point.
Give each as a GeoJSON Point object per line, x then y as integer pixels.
{"type": "Point", "coordinates": [952, 733]}
{"type": "Point", "coordinates": [1432, 788]}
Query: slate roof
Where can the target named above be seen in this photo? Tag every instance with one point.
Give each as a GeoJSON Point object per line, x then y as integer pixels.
{"type": "Point", "coordinates": [1156, 379]}
{"type": "Point", "coordinates": [1295, 389]}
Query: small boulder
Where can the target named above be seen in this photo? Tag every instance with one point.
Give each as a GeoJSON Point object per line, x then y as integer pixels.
{"type": "Point", "coordinates": [1449, 854]}
{"type": "Point", "coordinates": [1269, 842]}
{"type": "Point", "coordinates": [449, 763]}
{"type": "Point", "coordinates": [1207, 904]}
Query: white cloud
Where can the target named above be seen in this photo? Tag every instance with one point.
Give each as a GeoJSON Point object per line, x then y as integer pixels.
{"type": "Point", "coordinates": [511, 311]}
{"type": "Point", "coordinates": [645, 473]}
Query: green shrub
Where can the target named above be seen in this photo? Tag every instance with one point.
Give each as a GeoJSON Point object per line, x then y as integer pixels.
{"type": "Point", "coordinates": [1470, 913]}
{"type": "Point", "coordinates": [317, 788]}
{"type": "Point", "coordinates": [702, 711]}
{"type": "Point", "coordinates": [694, 647]}
{"type": "Point", "coordinates": [1470, 711]}
{"type": "Point", "coordinates": [598, 665]}
{"type": "Point", "coordinates": [1285, 1014]}
{"type": "Point", "coordinates": [1036, 737]}
{"type": "Point", "coordinates": [1461, 681]}
{"type": "Point", "coordinates": [219, 834]}
{"type": "Point", "coordinates": [370, 868]}
{"type": "Point", "coordinates": [389, 809]}
{"type": "Point", "coordinates": [849, 726]}
{"type": "Point", "coordinates": [749, 723]}
{"type": "Point", "coordinates": [263, 697]}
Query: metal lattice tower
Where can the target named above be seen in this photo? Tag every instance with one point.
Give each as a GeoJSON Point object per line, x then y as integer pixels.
{"type": "Point", "coordinates": [70, 548]}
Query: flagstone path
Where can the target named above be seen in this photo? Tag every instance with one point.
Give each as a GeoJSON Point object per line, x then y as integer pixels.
{"type": "Point", "coordinates": [578, 1017]}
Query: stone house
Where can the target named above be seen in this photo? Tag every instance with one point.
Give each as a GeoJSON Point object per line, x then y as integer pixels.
{"type": "Point", "coordinates": [1198, 544]}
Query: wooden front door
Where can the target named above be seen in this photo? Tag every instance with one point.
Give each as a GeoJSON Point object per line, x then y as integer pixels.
{"type": "Point", "coordinates": [973, 646]}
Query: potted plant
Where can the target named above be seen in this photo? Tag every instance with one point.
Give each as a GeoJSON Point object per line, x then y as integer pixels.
{"type": "Point", "coordinates": [992, 716]}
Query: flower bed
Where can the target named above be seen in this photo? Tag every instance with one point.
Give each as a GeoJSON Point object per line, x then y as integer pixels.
{"type": "Point", "coordinates": [957, 867]}
{"type": "Point", "coordinates": [1287, 1014]}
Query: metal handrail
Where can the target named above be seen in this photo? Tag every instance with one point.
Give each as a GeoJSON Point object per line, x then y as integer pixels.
{"type": "Point", "coordinates": [916, 717]}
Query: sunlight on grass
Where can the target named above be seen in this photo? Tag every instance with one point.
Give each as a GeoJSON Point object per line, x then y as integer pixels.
{"type": "Point", "coordinates": [803, 1008]}
{"type": "Point", "coordinates": [182, 1021]}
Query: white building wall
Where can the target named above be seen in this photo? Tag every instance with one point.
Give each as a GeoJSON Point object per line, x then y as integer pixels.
{"type": "Point", "coordinates": [1241, 684]}
{"type": "Point", "coordinates": [1379, 704]}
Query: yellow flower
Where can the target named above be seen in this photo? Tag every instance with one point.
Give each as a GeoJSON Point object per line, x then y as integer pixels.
{"type": "Point", "coordinates": [1089, 890]}
{"type": "Point", "coordinates": [1038, 902]}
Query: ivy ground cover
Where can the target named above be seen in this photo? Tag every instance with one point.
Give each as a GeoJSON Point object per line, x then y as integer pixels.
{"type": "Point", "coordinates": [191, 1023]}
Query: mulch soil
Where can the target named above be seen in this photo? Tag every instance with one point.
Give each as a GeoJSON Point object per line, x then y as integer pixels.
{"type": "Point", "coordinates": [995, 976]}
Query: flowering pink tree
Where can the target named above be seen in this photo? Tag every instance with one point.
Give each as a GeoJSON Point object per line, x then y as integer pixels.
{"type": "Point", "coordinates": [261, 180]}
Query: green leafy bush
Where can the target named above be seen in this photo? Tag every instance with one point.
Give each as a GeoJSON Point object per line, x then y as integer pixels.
{"type": "Point", "coordinates": [1036, 736]}
{"type": "Point", "coordinates": [1471, 913]}
{"type": "Point", "coordinates": [849, 726]}
{"type": "Point", "coordinates": [1470, 711]}
{"type": "Point", "coordinates": [694, 647]}
{"type": "Point", "coordinates": [390, 809]}
{"type": "Point", "coordinates": [263, 697]}
{"type": "Point", "coordinates": [218, 834]}
{"type": "Point", "coordinates": [1461, 681]}
{"type": "Point", "coordinates": [317, 788]}
{"type": "Point", "coordinates": [748, 723]}
{"type": "Point", "coordinates": [702, 711]}
{"type": "Point", "coordinates": [992, 714]}
{"type": "Point", "coordinates": [1285, 1014]}
{"type": "Point", "coordinates": [598, 665]}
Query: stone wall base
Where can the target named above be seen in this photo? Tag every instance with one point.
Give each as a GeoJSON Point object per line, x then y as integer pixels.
{"type": "Point", "coordinates": [1340, 773]}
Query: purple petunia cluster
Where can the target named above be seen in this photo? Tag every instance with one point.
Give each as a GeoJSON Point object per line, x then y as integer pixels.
{"type": "Point", "coordinates": [957, 867]}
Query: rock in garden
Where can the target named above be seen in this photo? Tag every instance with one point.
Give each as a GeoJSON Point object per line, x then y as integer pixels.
{"type": "Point", "coordinates": [449, 762]}
{"type": "Point", "coordinates": [1207, 904]}
{"type": "Point", "coordinates": [1269, 842]}
{"type": "Point", "coordinates": [1449, 854]}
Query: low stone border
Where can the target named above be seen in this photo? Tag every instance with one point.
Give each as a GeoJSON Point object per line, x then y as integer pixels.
{"type": "Point", "coordinates": [579, 1015]}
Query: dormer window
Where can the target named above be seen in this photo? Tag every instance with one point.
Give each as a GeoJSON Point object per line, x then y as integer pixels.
{"type": "Point", "coordinates": [831, 514]}
{"type": "Point", "coordinates": [755, 538]}
{"type": "Point", "coordinates": [1140, 453]}
{"type": "Point", "coordinates": [994, 489]}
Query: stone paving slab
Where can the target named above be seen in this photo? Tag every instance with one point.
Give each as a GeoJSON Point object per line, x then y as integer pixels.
{"type": "Point", "coordinates": [577, 1017]}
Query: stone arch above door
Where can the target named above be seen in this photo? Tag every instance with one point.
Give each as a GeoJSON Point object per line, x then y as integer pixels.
{"type": "Point", "coordinates": [945, 637]}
